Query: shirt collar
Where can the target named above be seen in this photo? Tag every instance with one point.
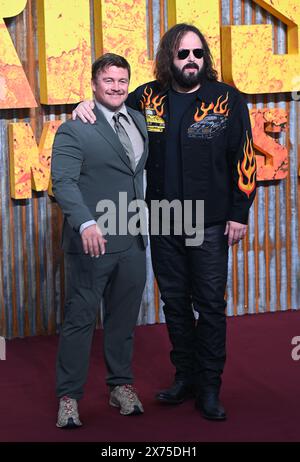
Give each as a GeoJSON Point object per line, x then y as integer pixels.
{"type": "Point", "coordinates": [108, 114]}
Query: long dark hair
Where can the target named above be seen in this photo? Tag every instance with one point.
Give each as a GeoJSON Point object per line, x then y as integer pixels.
{"type": "Point", "coordinates": [169, 44]}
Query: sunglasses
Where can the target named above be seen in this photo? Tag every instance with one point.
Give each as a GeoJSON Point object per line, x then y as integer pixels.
{"type": "Point", "coordinates": [197, 52]}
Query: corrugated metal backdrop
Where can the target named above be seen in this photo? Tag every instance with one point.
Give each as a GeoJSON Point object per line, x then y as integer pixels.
{"type": "Point", "coordinates": [263, 270]}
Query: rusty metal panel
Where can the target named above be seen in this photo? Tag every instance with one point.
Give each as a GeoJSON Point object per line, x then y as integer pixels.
{"type": "Point", "coordinates": [263, 270]}
{"type": "Point", "coordinates": [31, 266]}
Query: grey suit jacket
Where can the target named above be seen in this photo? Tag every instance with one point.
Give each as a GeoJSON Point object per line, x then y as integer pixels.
{"type": "Point", "coordinates": [89, 164]}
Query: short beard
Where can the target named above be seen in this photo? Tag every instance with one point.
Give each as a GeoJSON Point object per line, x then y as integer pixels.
{"type": "Point", "coordinates": [188, 81]}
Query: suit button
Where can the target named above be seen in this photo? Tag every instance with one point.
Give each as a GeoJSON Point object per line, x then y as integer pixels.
{"type": "Point", "coordinates": [157, 190]}
{"type": "Point", "coordinates": [156, 165]}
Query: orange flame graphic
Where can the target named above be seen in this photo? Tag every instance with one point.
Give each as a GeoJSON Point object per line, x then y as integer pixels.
{"type": "Point", "coordinates": [247, 170]}
{"type": "Point", "coordinates": [146, 98]}
{"type": "Point", "coordinates": [204, 110]}
{"type": "Point", "coordinates": [222, 107]}
{"type": "Point", "coordinates": [155, 102]}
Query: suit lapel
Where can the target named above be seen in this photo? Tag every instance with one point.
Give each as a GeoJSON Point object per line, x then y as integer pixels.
{"type": "Point", "coordinates": [141, 126]}
{"type": "Point", "coordinates": [143, 130]}
{"type": "Point", "coordinates": [105, 130]}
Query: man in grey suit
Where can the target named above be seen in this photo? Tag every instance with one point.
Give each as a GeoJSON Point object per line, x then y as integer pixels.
{"type": "Point", "coordinates": [93, 163]}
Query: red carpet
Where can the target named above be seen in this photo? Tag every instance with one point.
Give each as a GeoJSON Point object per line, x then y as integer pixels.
{"type": "Point", "coordinates": [260, 389]}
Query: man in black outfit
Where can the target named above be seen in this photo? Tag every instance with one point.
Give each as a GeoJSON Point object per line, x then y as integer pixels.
{"type": "Point", "coordinates": [200, 148]}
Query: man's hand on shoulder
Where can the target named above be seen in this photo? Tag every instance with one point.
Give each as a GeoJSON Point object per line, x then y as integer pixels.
{"type": "Point", "coordinates": [236, 232]}
{"type": "Point", "coordinates": [84, 111]}
{"type": "Point", "coordinates": [93, 241]}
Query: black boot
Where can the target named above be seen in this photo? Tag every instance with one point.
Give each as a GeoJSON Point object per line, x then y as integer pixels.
{"type": "Point", "coordinates": [209, 405]}
{"type": "Point", "coordinates": [179, 392]}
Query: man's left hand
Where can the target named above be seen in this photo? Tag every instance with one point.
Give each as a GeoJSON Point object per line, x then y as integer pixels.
{"type": "Point", "coordinates": [236, 231]}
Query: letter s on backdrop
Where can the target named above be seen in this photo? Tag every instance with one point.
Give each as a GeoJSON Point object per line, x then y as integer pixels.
{"type": "Point", "coordinates": [296, 351]}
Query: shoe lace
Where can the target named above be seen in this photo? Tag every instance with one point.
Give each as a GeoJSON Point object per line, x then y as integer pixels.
{"type": "Point", "coordinates": [130, 392]}
{"type": "Point", "coordinates": [68, 405]}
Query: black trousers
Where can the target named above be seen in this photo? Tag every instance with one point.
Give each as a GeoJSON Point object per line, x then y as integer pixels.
{"type": "Point", "coordinates": [194, 277]}
{"type": "Point", "coordinates": [120, 279]}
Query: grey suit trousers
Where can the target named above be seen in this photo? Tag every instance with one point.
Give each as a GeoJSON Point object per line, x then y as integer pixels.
{"type": "Point", "coordinates": [119, 278]}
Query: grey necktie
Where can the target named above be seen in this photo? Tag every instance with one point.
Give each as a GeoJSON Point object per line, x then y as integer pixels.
{"type": "Point", "coordinates": [124, 138]}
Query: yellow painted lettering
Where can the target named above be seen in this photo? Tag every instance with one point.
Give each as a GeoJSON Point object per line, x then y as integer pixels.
{"type": "Point", "coordinates": [29, 163]}
{"type": "Point", "coordinates": [121, 27]}
{"type": "Point", "coordinates": [64, 51]}
{"type": "Point", "coordinates": [15, 91]}
{"type": "Point", "coordinates": [248, 60]}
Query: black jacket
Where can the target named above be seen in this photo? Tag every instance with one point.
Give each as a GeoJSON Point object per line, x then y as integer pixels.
{"type": "Point", "coordinates": [218, 161]}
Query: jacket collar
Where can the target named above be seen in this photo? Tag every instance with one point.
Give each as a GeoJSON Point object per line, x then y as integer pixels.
{"type": "Point", "coordinates": [106, 130]}
{"type": "Point", "coordinates": [204, 93]}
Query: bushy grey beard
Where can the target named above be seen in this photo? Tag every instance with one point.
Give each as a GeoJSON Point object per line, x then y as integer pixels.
{"type": "Point", "coordinates": [188, 81]}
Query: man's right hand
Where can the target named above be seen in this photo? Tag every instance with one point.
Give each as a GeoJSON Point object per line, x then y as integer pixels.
{"type": "Point", "coordinates": [93, 241]}
{"type": "Point", "coordinates": [84, 111]}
